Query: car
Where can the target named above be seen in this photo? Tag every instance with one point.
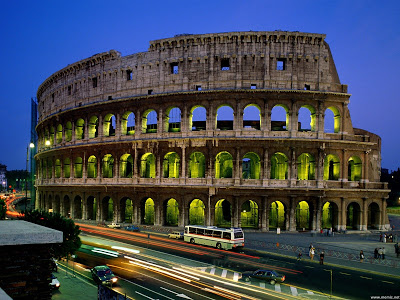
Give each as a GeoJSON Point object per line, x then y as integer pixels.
{"type": "Point", "coordinates": [267, 275]}
{"type": "Point", "coordinates": [54, 284]}
{"type": "Point", "coordinates": [175, 235]}
{"type": "Point", "coordinates": [103, 275]}
{"type": "Point", "coordinates": [114, 225]}
{"type": "Point", "coordinates": [132, 228]}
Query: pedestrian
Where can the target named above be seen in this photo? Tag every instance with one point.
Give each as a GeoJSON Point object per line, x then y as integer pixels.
{"type": "Point", "coordinates": [321, 258]}
{"type": "Point", "coordinates": [380, 253]}
{"type": "Point", "coordinates": [376, 253]}
{"type": "Point", "coordinates": [381, 238]}
{"type": "Point", "coordinates": [309, 249]}
{"type": "Point", "coordinates": [312, 252]}
{"type": "Point", "coordinates": [396, 249]}
{"type": "Point", "coordinates": [299, 256]}
{"type": "Point", "coordinates": [383, 253]}
{"type": "Point", "coordinates": [361, 256]}
{"type": "Point", "coordinates": [384, 237]}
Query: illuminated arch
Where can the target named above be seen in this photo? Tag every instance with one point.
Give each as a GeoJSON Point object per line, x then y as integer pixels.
{"type": "Point", "coordinates": [148, 211]}
{"type": "Point", "coordinates": [51, 136]}
{"type": "Point", "coordinates": [196, 212]}
{"type": "Point", "coordinates": [171, 212]}
{"type": "Point", "coordinates": [249, 214]}
{"type": "Point", "coordinates": [307, 118]}
{"type": "Point", "coordinates": [279, 166]}
{"type": "Point", "coordinates": [66, 211]}
{"type": "Point", "coordinates": [107, 209]}
{"type": "Point", "coordinates": [126, 166]}
{"type": "Point", "coordinates": [223, 165]}
{"type": "Point", "coordinates": [92, 167]}
{"type": "Point", "coordinates": [277, 215]}
{"type": "Point", "coordinates": [109, 125]}
{"type": "Point", "coordinates": [149, 121]}
{"type": "Point", "coordinates": [59, 134]}
{"type": "Point", "coordinates": [197, 165]}
{"type": "Point", "coordinates": [77, 207]}
{"type": "Point", "coordinates": [332, 120]}
{"type": "Point", "coordinates": [224, 118]}
{"type": "Point", "coordinates": [78, 167]}
{"type": "Point", "coordinates": [252, 117]}
{"type": "Point", "coordinates": [223, 214]}
{"type": "Point", "coordinates": [126, 210]}
{"type": "Point", "coordinates": [91, 207]}
{"type": "Point", "coordinates": [251, 166]}
{"type": "Point", "coordinates": [108, 166]}
{"type": "Point", "coordinates": [128, 123]}
{"type": "Point", "coordinates": [79, 129]}
{"type": "Point", "coordinates": [68, 131]}
{"type": "Point", "coordinates": [49, 168]}
{"type": "Point", "coordinates": [57, 168]}
{"type": "Point", "coordinates": [280, 118]}
{"type": "Point", "coordinates": [148, 166]}
{"type": "Point", "coordinates": [306, 167]}
{"type": "Point", "coordinates": [171, 165]}
{"type": "Point", "coordinates": [354, 168]}
{"type": "Point", "coordinates": [330, 215]}
{"type": "Point", "coordinates": [303, 218]}
{"type": "Point", "coordinates": [172, 120]}
{"type": "Point", "coordinates": [331, 167]}
{"type": "Point", "coordinates": [67, 167]}
{"type": "Point", "coordinates": [197, 118]}
{"type": "Point", "coordinates": [353, 216]}
{"type": "Point", "coordinates": [93, 127]}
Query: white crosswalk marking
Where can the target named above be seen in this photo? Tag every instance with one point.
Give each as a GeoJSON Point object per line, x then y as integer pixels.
{"type": "Point", "coordinates": [224, 272]}
{"type": "Point", "coordinates": [294, 291]}
{"type": "Point", "coordinates": [235, 276]}
{"type": "Point", "coordinates": [212, 272]}
{"type": "Point", "coordinates": [278, 288]}
{"type": "Point", "coordinates": [310, 293]}
{"type": "Point", "coordinates": [203, 269]}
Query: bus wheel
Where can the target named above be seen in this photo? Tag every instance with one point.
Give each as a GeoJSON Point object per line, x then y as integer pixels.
{"type": "Point", "coordinates": [219, 246]}
{"type": "Point", "coordinates": [192, 241]}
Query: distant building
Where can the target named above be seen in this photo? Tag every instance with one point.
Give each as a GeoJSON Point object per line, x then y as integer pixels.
{"type": "Point", "coordinates": [3, 178]}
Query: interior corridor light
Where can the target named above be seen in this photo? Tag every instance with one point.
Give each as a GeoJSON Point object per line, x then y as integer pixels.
{"type": "Point", "coordinates": [47, 143]}
{"type": "Point", "coordinates": [31, 145]}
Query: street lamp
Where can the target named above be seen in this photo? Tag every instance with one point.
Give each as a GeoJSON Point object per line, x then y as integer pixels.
{"type": "Point", "coordinates": [31, 146]}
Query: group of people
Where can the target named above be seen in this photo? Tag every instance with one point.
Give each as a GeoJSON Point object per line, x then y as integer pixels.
{"type": "Point", "coordinates": [311, 254]}
{"type": "Point", "coordinates": [388, 238]}
{"type": "Point", "coordinates": [379, 253]}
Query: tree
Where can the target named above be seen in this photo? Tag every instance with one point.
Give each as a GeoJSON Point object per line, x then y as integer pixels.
{"type": "Point", "coordinates": [71, 241]}
{"type": "Point", "coordinates": [3, 209]}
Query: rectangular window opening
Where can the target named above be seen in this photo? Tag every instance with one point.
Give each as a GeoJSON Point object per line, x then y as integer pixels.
{"type": "Point", "coordinates": [129, 75]}
{"type": "Point", "coordinates": [109, 97]}
{"type": "Point", "coordinates": [94, 81]}
{"type": "Point", "coordinates": [69, 90]}
{"type": "Point", "coordinates": [281, 64]}
{"type": "Point", "coordinates": [174, 68]}
{"type": "Point", "coordinates": [149, 92]}
{"type": "Point", "coordinates": [306, 87]}
{"type": "Point", "coordinates": [253, 87]}
{"type": "Point", "coordinates": [198, 87]}
{"type": "Point", "coordinates": [225, 66]}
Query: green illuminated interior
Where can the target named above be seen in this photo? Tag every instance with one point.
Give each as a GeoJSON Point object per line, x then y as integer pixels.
{"type": "Point", "coordinates": [279, 166]}
{"type": "Point", "coordinates": [108, 166]}
{"type": "Point", "coordinates": [57, 166]}
{"type": "Point", "coordinates": [128, 210]}
{"type": "Point", "coordinates": [251, 166]}
{"type": "Point", "coordinates": [277, 215]}
{"type": "Point", "coordinates": [223, 213]}
{"type": "Point", "coordinates": [68, 131]}
{"type": "Point", "coordinates": [197, 165]}
{"type": "Point", "coordinates": [67, 167]}
{"type": "Point", "coordinates": [149, 212]}
{"type": "Point", "coordinates": [327, 215]}
{"type": "Point", "coordinates": [171, 164]}
{"type": "Point", "coordinates": [79, 129]}
{"type": "Point", "coordinates": [78, 167]}
{"type": "Point", "coordinates": [337, 118]}
{"type": "Point", "coordinates": [93, 127]}
{"type": "Point", "coordinates": [110, 210]}
{"type": "Point", "coordinates": [59, 134]}
{"type": "Point", "coordinates": [172, 213]}
{"type": "Point", "coordinates": [354, 168]}
{"type": "Point", "coordinates": [49, 169]}
{"type": "Point", "coordinates": [353, 216]}
{"type": "Point", "coordinates": [306, 167]}
{"type": "Point", "coordinates": [51, 135]}
{"type": "Point", "coordinates": [249, 214]}
{"type": "Point", "coordinates": [196, 212]}
{"type": "Point", "coordinates": [148, 166]}
{"type": "Point", "coordinates": [303, 219]}
{"type": "Point", "coordinates": [126, 166]}
{"type": "Point", "coordinates": [331, 167]}
{"type": "Point", "coordinates": [223, 165]}
{"type": "Point", "coordinates": [92, 167]}
{"type": "Point", "coordinates": [108, 129]}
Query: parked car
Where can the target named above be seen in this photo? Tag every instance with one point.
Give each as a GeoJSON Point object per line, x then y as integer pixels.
{"type": "Point", "coordinates": [266, 275]}
{"type": "Point", "coordinates": [114, 225]}
{"type": "Point", "coordinates": [132, 228]}
{"type": "Point", "coordinates": [103, 275]}
{"type": "Point", "coordinates": [175, 235]}
{"type": "Point", "coordinates": [55, 284]}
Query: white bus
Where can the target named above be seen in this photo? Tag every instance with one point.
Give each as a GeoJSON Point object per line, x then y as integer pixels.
{"type": "Point", "coordinates": [221, 238]}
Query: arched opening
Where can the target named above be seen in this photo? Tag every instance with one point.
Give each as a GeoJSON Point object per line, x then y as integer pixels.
{"type": "Point", "coordinates": [107, 209]}
{"type": "Point", "coordinates": [307, 118]}
{"type": "Point", "coordinates": [128, 123]}
{"type": "Point", "coordinates": [172, 122]}
{"type": "Point", "coordinates": [196, 212]}
{"type": "Point", "coordinates": [353, 216]}
{"type": "Point", "coordinates": [331, 167]}
{"type": "Point", "coordinates": [109, 125]}
{"type": "Point", "coordinates": [79, 129]}
{"type": "Point", "coordinates": [57, 205]}
{"type": "Point", "coordinates": [126, 210]}
{"type": "Point", "coordinates": [66, 207]}
{"type": "Point", "coordinates": [57, 168]}
{"type": "Point", "coordinates": [330, 216]}
{"type": "Point", "coordinates": [251, 166]}
{"type": "Point", "coordinates": [171, 165]}
{"type": "Point", "coordinates": [197, 165]}
{"type": "Point", "coordinates": [303, 218]}
{"type": "Point", "coordinates": [149, 121]}
{"type": "Point", "coordinates": [279, 118]}
{"type": "Point", "coordinates": [92, 167]}
{"type": "Point", "coordinates": [373, 216]}
{"type": "Point", "coordinates": [77, 207]}
{"type": "Point", "coordinates": [223, 165]}
{"type": "Point", "coordinates": [93, 127]}
{"type": "Point", "coordinates": [51, 136]}
{"type": "Point", "coordinates": [306, 167]}
{"type": "Point", "coordinates": [67, 167]}
{"type": "Point", "coordinates": [126, 166]}
{"type": "Point", "coordinates": [252, 117]}
{"type": "Point", "coordinates": [108, 166]}
{"type": "Point", "coordinates": [279, 166]}
{"type": "Point", "coordinates": [332, 120]}
{"type": "Point", "coordinates": [68, 131]}
{"type": "Point", "coordinates": [197, 118]}
{"type": "Point", "coordinates": [148, 211]}
{"type": "Point", "coordinates": [49, 168]}
{"type": "Point", "coordinates": [223, 214]}
{"type": "Point", "coordinates": [78, 167]}
{"type": "Point", "coordinates": [224, 118]}
{"type": "Point", "coordinates": [354, 168]}
{"type": "Point", "coordinates": [91, 206]}
{"type": "Point", "coordinates": [59, 134]}
{"type": "Point", "coordinates": [277, 218]}
{"type": "Point", "coordinates": [148, 166]}
{"type": "Point", "coordinates": [171, 213]}
{"type": "Point", "coordinates": [249, 214]}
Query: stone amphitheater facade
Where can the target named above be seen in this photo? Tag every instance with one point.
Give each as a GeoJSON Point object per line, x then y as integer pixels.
{"type": "Point", "coordinates": [185, 133]}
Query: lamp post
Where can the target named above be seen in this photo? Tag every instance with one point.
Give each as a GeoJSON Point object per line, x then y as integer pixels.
{"type": "Point", "coordinates": [31, 146]}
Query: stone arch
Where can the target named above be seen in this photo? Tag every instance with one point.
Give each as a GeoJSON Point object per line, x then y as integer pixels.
{"type": "Point", "coordinates": [196, 212]}
{"type": "Point", "coordinates": [307, 118]}
{"type": "Point", "coordinates": [57, 168]}
{"type": "Point", "coordinates": [59, 134]}
{"type": "Point", "coordinates": [93, 127]}
{"type": "Point", "coordinates": [330, 215]}
{"type": "Point", "coordinates": [306, 167]}
{"type": "Point", "coordinates": [304, 215]}
{"type": "Point", "coordinates": [197, 118]}
{"type": "Point", "coordinates": [353, 221]}
{"type": "Point", "coordinates": [77, 207]}
{"type": "Point", "coordinates": [92, 167]}
{"type": "Point", "coordinates": [224, 117]}
{"type": "Point", "coordinates": [223, 165]}
{"type": "Point", "coordinates": [149, 121]}
{"type": "Point", "coordinates": [354, 167]}
{"type": "Point", "coordinates": [251, 166]}
{"type": "Point", "coordinates": [67, 167]}
{"type": "Point", "coordinates": [279, 166]}
{"type": "Point", "coordinates": [78, 167]}
{"type": "Point", "coordinates": [108, 166]}
{"type": "Point", "coordinates": [107, 209]}
{"type": "Point", "coordinates": [79, 129]}
{"type": "Point", "coordinates": [252, 117]}
{"type": "Point", "coordinates": [109, 125]}
{"type": "Point", "coordinates": [68, 131]}
{"type": "Point", "coordinates": [92, 208]}
{"type": "Point", "coordinates": [332, 120]}
{"type": "Point", "coordinates": [171, 165]}
{"type": "Point", "coordinates": [148, 166]}
{"type": "Point", "coordinates": [128, 123]}
{"type": "Point", "coordinates": [147, 211]}
{"type": "Point", "coordinates": [126, 166]}
{"type": "Point", "coordinates": [331, 167]}
{"type": "Point", "coordinates": [57, 204]}
{"type": "Point", "coordinates": [51, 136]}
{"type": "Point", "coordinates": [223, 213]}
{"type": "Point", "coordinates": [49, 168]}
{"type": "Point", "coordinates": [126, 210]}
{"type": "Point", "coordinates": [197, 165]}
{"type": "Point", "coordinates": [66, 212]}
{"type": "Point", "coordinates": [171, 211]}
{"type": "Point", "coordinates": [172, 120]}
{"type": "Point", "coordinates": [374, 216]}
{"type": "Point", "coordinates": [280, 118]}
{"type": "Point", "coordinates": [50, 204]}
{"type": "Point", "coordinates": [277, 215]}
{"type": "Point", "coordinates": [249, 214]}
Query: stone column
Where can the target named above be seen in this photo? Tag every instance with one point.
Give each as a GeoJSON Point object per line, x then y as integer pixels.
{"type": "Point", "coordinates": [117, 125]}
{"type": "Point", "coordinates": [100, 127]}
{"type": "Point", "coordinates": [236, 212]}
{"type": "Point", "coordinates": [365, 174]}
{"type": "Point", "coordinates": [236, 164]}
{"type": "Point", "coordinates": [266, 168]}
{"type": "Point", "coordinates": [292, 215]}
{"type": "Point", "coordinates": [264, 214]}
{"type": "Point", "coordinates": [238, 118]}
{"type": "Point", "coordinates": [344, 167]}
{"type": "Point", "coordinates": [344, 215]}
{"type": "Point", "coordinates": [292, 170]}
{"type": "Point", "coordinates": [136, 162]}
{"type": "Point", "coordinates": [320, 119]}
{"type": "Point", "coordinates": [364, 219]}
{"type": "Point", "coordinates": [318, 214]}
{"type": "Point", "coordinates": [320, 167]}
{"type": "Point", "coordinates": [183, 164]}
{"type": "Point", "coordinates": [73, 139]}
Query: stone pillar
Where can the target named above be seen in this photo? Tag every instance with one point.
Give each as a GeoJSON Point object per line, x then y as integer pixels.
{"type": "Point", "coordinates": [236, 166]}
{"type": "Point", "coordinates": [320, 119]}
{"type": "Point", "coordinates": [117, 125]}
{"type": "Point", "coordinates": [266, 168]}
{"type": "Point", "coordinates": [85, 130]}
{"type": "Point", "coordinates": [84, 167]}
{"type": "Point", "coordinates": [264, 212]}
{"type": "Point", "coordinates": [238, 118]}
{"type": "Point", "coordinates": [116, 167]}
{"type": "Point", "coordinates": [320, 167]}
{"type": "Point", "coordinates": [136, 162]}
{"type": "Point", "coordinates": [264, 118]}
{"type": "Point", "coordinates": [344, 167]}
{"type": "Point", "coordinates": [73, 139]}
{"type": "Point", "coordinates": [268, 118]}
{"type": "Point", "coordinates": [365, 174]}
{"type": "Point", "coordinates": [100, 127]}
{"type": "Point", "coordinates": [292, 215]}
{"type": "Point", "coordinates": [236, 212]}
{"type": "Point", "coordinates": [183, 164]}
{"type": "Point", "coordinates": [364, 219]}
{"type": "Point", "coordinates": [344, 215]}
{"type": "Point", "coordinates": [318, 213]}
{"type": "Point", "coordinates": [292, 170]}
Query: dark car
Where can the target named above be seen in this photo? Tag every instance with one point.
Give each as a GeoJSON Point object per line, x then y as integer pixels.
{"type": "Point", "coordinates": [103, 275]}
{"type": "Point", "coordinates": [132, 228]}
{"type": "Point", "coordinates": [266, 275]}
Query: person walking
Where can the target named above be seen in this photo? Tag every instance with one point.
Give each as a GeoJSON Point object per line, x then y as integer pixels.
{"type": "Point", "coordinates": [299, 256]}
{"type": "Point", "coordinates": [312, 252]}
{"type": "Point", "coordinates": [321, 258]}
{"type": "Point", "coordinates": [384, 237]}
{"type": "Point", "coordinates": [383, 253]}
{"type": "Point", "coordinates": [379, 253]}
{"type": "Point", "coordinates": [361, 256]}
{"type": "Point", "coordinates": [396, 249]}
{"type": "Point", "coordinates": [381, 238]}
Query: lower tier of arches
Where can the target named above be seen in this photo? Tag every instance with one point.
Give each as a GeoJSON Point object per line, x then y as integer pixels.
{"type": "Point", "coordinates": [287, 209]}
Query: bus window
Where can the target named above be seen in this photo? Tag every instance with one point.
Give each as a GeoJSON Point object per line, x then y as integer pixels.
{"type": "Point", "coordinates": [226, 235]}
{"type": "Point", "coordinates": [216, 234]}
{"type": "Point", "coordinates": [192, 230]}
{"type": "Point", "coordinates": [238, 235]}
{"type": "Point", "coordinates": [200, 231]}
{"type": "Point", "coordinates": [208, 232]}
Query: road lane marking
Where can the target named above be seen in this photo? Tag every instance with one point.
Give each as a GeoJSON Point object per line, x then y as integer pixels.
{"type": "Point", "coordinates": [203, 269]}
{"type": "Point", "coordinates": [366, 277]}
{"type": "Point", "coordinates": [212, 272]}
{"type": "Point", "coordinates": [387, 281]}
{"type": "Point", "coordinates": [293, 290]}
{"type": "Point", "coordinates": [278, 288]}
{"type": "Point", "coordinates": [345, 273]}
{"type": "Point", "coordinates": [224, 272]}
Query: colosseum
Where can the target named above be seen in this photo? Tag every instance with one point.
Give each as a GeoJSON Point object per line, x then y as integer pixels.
{"type": "Point", "coordinates": [239, 129]}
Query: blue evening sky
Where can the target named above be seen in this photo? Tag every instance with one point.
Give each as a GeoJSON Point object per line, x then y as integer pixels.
{"type": "Point", "coordinates": [38, 38]}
